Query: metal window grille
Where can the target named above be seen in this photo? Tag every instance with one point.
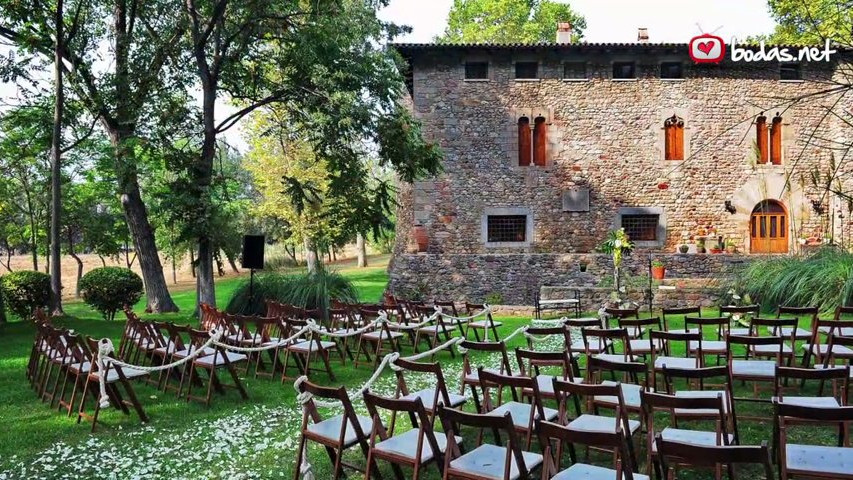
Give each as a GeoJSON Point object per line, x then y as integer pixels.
{"type": "Point", "coordinates": [624, 70]}
{"type": "Point", "coordinates": [507, 228]}
{"type": "Point", "coordinates": [527, 70]}
{"type": "Point", "coordinates": [641, 227]}
{"type": "Point", "coordinates": [477, 70]}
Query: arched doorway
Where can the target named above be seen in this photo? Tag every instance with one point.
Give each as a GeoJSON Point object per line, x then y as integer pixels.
{"type": "Point", "coordinates": [768, 228]}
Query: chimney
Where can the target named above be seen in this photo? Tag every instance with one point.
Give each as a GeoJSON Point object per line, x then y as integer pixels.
{"type": "Point", "coordinates": [564, 33]}
{"type": "Point", "coordinates": [643, 35]}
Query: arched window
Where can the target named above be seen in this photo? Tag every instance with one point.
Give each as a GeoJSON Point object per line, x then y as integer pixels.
{"type": "Point", "coordinates": [761, 138]}
{"type": "Point", "coordinates": [539, 141]}
{"type": "Point", "coordinates": [673, 138]}
{"type": "Point", "coordinates": [776, 140]}
{"type": "Point", "coordinates": [525, 149]}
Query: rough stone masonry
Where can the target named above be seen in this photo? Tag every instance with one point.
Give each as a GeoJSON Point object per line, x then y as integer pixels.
{"type": "Point", "coordinates": [605, 163]}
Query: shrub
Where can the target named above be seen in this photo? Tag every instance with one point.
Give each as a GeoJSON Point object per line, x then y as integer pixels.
{"type": "Point", "coordinates": [108, 289]}
{"type": "Point", "coordinates": [303, 290]}
{"type": "Point", "coordinates": [25, 291]}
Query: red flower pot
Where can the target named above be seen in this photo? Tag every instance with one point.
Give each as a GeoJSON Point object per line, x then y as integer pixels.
{"type": "Point", "coordinates": [658, 273]}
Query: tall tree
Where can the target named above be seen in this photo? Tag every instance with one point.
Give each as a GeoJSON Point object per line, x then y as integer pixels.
{"type": "Point", "coordinates": [56, 162]}
{"type": "Point", "coordinates": [323, 61]}
{"type": "Point", "coordinates": [124, 91]}
{"type": "Point", "coordinates": [509, 21]}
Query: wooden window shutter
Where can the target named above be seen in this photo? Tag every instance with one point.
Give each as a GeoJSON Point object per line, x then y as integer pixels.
{"type": "Point", "coordinates": [761, 138]}
{"type": "Point", "coordinates": [540, 140]}
{"type": "Point", "coordinates": [524, 142]}
{"type": "Point", "coordinates": [776, 141]}
{"type": "Point", "coordinates": [674, 138]}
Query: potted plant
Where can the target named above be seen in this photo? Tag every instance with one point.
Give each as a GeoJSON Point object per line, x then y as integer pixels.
{"type": "Point", "coordinates": [683, 248]}
{"type": "Point", "coordinates": [718, 246]}
{"type": "Point", "coordinates": [700, 245]}
{"type": "Point", "coordinates": [730, 246]}
{"type": "Point", "coordinates": [658, 270]}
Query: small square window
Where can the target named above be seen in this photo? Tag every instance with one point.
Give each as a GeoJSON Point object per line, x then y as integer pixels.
{"type": "Point", "coordinates": [574, 71]}
{"type": "Point", "coordinates": [506, 228]}
{"type": "Point", "coordinates": [671, 70]}
{"type": "Point", "coordinates": [641, 228]}
{"type": "Point", "coordinates": [624, 70]}
{"type": "Point", "coordinates": [526, 70]}
{"type": "Point", "coordinates": [790, 71]}
{"type": "Point", "coordinates": [477, 70]}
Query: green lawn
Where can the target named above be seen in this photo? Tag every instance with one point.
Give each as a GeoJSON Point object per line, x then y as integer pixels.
{"type": "Point", "coordinates": [231, 439]}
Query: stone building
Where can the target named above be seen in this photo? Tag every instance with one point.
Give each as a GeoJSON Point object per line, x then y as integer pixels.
{"type": "Point", "coordinates": [548, 146]}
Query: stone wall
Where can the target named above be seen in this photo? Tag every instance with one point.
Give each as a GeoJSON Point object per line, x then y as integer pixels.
{"type": "Point", "coordinates": [515, 279]}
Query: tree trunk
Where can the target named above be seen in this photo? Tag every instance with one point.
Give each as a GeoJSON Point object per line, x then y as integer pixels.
{"type": "Point", "coordinates": [2, 309]}
{"type": "Point", "coordinates": [291, 252]}
{"type": "Point", "coordinates": [103, 260]}
{"type": "Point", "coordinates": [232, 263]}
{"type": "Point", "coordinates": [77, 259]}
{"type": "Point", "coordinates": [174, 272]}
{"type": "Point", "coordinates": [204, 281]}
{"type": "Point", "coordinates": [361, 249]}
{"type": "Point", "coordinates": [202, 173]}
{"type": "Point", "coordinates": [56, 168]}
{"type": "Point", "coordinates": [136, 216]}
{"type": "Point", "coordinates": [310, 255]}
{"type": "Point", "coordinates": [192, 262]}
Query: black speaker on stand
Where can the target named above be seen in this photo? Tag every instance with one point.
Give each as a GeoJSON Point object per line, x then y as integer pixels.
{"type": "Point", "coordinates": [253, 259]}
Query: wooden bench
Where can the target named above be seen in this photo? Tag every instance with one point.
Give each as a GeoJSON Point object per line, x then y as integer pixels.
{"type": "Point", "coordinates": [561, 304]}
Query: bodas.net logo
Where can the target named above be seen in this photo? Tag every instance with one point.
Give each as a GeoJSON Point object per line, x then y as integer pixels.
{"type": "Point", "coordinates": [707, 48]}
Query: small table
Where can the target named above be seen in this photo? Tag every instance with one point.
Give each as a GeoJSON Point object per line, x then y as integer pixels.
{"type": "Point", "coordinates": [562, 304]}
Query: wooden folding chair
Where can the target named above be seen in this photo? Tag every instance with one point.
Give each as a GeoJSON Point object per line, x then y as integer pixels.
{"type": "Point", "coordinates": [672, 452]}
{"type": "Point", "coordinates": [220, 359]}
{"type": "Point", "coordinates": [304, 350]}
{"type": "Point", "coordinates": [113, 375]}
{"type": "Point", "coordinates": [449, 308]}
{"type": "Point", "coordinates": [814, 461]}
{"type": "Point", "coordinates": [676, 311]}
{"type": "Point", "coordinates": [774, 327]}
{"type": "Point", "coordinates": [211, 318]}
{"type": "Point", "coordinates": [698, 385]}
{"type": "Point", "coordinates": [810, 313]}
{"type": "Point", "coordinates": [414, 448]}
{"type": "Point", "coordinates": [487, 461]}
{"type": "Point", "coordinates": [486, 325]}
{"type": "Point", "coordinates": [755, 371]}
{"type": "Point", "coordinates": [566, 435]}
{"type": "Point", "coordinates": [661, 342]}
{"type": "Point", "coordinates": [656, 402]}
{"type": "Point", "coordinates": [820, 351]}
{"type": "Point", "coordinates": [622, 313]}
{"type": "Point", "coordinates": [523, 414]}
{"type": "Point", "coordinates": [432, 397]}
{"type": "Point", "coordinates": [378, 337]}
{"type": "Point", "coordinates": [830, 360]}
{"type": "Point", "coordinates": [336, 434]}
{"type": "Point", "coordinates": [431, 332]}
{"type": "Point", "coordinates": [589, 419]}
{"type": "Point", "coordinates": [531, 363]}
{"type": "Point", "coordinates": [470, 376]}
{"type": "Point", "coordinates": [717, 346]}
{"type": "Point", "coordinates": [639, 345]}
{"type": "Point", "coordinates": [575, 343]}
{"type": "Point", "coordinates": [633, 379]}
{"type": "Point", "coordinates": [595, 339]}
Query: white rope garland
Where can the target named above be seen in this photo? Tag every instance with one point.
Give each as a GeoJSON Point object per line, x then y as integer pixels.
{"type": "Point", "coordinates": [486, 310]}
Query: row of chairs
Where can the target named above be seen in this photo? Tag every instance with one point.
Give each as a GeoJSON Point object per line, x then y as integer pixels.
{"type": "Point", "coordinates": [513, 406]}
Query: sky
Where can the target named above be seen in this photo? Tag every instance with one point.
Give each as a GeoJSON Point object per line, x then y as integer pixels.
{"type": "Point", "coordinates": [607, 21]}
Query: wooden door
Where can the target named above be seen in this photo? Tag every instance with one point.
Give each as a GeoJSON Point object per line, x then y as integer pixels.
{"type": "Point", "coordinates": [768, 228]}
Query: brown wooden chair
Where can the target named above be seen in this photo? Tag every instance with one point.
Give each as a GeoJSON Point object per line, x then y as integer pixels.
{"type": "Point", "coordinates": [304, 350]}
{"type": "Point", "coordinates": [433, 332]}
{"type": "Point", "coordinates": [633, 379]}
{"type": "Point", "coordinates": [523, 414]}
{"type": "Point", "coordinates": [672, 452]}
{"type": "Point", "coordinates": [660, 344]}
{"type": "Point", "coordinates": [383, 335]}
{"type": "Point", "coordinates": [810, 313]}
{"type": "Point", "coordinates": [748, 370]}
{"type": "Point", "coordinates": [210, 318]}
{"type": "Point", "coordinates": [839, 377]}
{"type": "Point", "coordinates": [717, 345]}
{"type": "Point", "coordinates": [830, 360]}
{"type": "Point", "coordinates": [487, 324]}
{"type": "Point", "coordinates": [622, 313]}
{"type": "Point", "coordinates": [640, 345]}
{"type": "Point", "coordinates": [657, 402]}
{"type": "Point", "coordinates": [699, 384]}
{"type": "Point", "coordinates": [596, 338]}
{"type": "Point", "coordinates": [449, 308]}
{"type": "Point", "coordinates": [531, 363]}
{"type": "Point", "coordinates": [183, 350]}
{"type": "Point", "coordinates": [220, 359]}
{"type": "Point", "coordinates": [775, 327]}
{"type": "Point", "coordinates": [840, 313]}
{"type": "Point", "coordinates": [341, 322]}
{"type": "Point", "coordinates": [745, 311]}
{"type": "Point", "coordinates": [572, 330]}
{"type": "Point", "coordinates": [337, 433]}
{"type": "Point", "coordinates": [563, 435]}
{"type": "Point", "coordinates": [413, 448]}
{"type": "Point", "coordinates": [676, 311]}
{"type": "Point", "coordinates": [486, 461]}
{"type": "Point", "coordinates": [470, 375]}
{"type": "Point", "coordinates": [820, 351]}
{"type": "Point", "coordinates": [430, 397]}
{"type": "Point", "coordinates": [814, 461]}
{"type": "Point", "coordinates": [113, 375]}
{"type": "Point", "coordinates": [589, 419]}
{"type": "Point", "coordinates": [77, 372]}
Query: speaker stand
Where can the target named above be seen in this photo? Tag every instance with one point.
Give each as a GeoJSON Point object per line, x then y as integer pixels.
{"type": "Point", "coordinates": [251, 286]}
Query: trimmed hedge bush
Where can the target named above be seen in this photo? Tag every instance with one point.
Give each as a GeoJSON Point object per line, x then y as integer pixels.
{"type": "Point", "coordinates": [108, 289]}
{"type": "Point", "coordinates": [25, 291]}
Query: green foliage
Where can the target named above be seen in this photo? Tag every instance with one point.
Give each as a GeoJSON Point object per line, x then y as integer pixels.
{"type": "Point", "coordinates": [657, 263]}
{"type": "Point", "coordinates": [24, 291]}
{"type": "Point", "coordinates": [494, 298]}
{"type": "Point", "coordinates": [509, 21]}
{"type": "Point", "coordinates": [616, 244]}
{"type": "Point", "coordinates": [823, 279]}
{"type": "Point", "coordinates": [307, 290]}
{"type": "Point", "coordinates": [812, 22]}
{"type": "Point", "coordinates": [108, 289]}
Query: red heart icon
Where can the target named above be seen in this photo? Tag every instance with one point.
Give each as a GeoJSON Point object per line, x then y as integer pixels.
{"type": "Point", "coordinates": [705, 47]}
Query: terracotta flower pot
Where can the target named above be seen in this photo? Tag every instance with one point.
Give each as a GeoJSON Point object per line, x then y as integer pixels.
{"type": "Point", "coordinates": [419, 233]}
{"type": "Point", "coordinates": [658, 273]}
